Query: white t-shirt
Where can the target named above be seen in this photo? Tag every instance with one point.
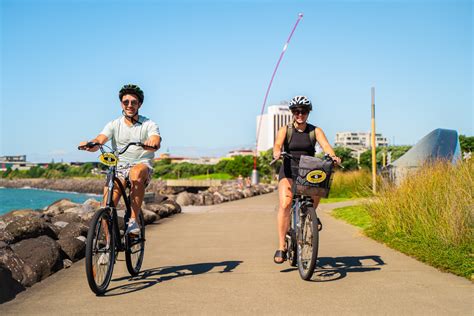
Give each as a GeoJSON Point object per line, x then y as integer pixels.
{"type": "Point", "coordinates": [121, 134]}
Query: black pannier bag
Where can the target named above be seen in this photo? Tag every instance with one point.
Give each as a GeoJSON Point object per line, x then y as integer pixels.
{"type": "Point", "coordinates": [314, 176]}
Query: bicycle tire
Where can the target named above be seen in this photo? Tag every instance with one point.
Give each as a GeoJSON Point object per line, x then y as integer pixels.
{"type": "Point", "coordinates": [134, 255]}
{"type": "Point", "coordinates": [307, 241]}
{"type": "Point", "coordinates": [96, 256]}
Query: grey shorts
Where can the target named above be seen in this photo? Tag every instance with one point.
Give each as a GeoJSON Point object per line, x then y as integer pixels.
{"type": "Point", "coordinates": [123, 172]}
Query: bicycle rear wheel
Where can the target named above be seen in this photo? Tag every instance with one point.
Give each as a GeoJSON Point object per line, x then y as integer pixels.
{"type": "Point", "coordinates": [135, 248]}
{"type": "Point", "coordinates": [307, 242]}
{"type": "Point", "coordinates": [100, 251]}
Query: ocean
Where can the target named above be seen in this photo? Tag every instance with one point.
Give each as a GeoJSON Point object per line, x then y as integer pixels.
{"type": "Point", "coordinates": [12, 199]}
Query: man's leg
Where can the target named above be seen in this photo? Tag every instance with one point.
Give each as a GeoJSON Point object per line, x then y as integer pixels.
{"type": "Point", "coordinates": [138, 178]}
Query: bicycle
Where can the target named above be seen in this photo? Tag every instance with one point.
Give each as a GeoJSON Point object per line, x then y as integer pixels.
{"type": "Point", "coordinates": [104, 239]}
{"type": "Point", "coordinates": [302, 238]}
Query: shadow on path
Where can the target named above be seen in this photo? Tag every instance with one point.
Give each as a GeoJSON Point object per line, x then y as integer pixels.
{"type": "Point", "coordinates": [332, 269]}
{"type": "Point", "coordinates": [150, 277]}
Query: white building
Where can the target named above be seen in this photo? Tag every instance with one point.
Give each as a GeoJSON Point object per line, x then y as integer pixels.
{"type": "Point", "coordinates": [271, 122]}
{"type": "Point", "coordinates": [359, 140]}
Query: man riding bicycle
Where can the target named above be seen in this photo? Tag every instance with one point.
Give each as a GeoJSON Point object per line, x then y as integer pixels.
{"type": "Point", "coordinates": [135, 165]}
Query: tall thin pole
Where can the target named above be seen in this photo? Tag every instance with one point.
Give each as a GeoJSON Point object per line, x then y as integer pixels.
{"type": "Point", "coordinates": [254, 172]}
{"type": "Point", "coordinates": [374, 161]}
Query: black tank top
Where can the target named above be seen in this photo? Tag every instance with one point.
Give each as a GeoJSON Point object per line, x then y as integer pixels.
{"type": "Point", "coordinates": [299, 145]}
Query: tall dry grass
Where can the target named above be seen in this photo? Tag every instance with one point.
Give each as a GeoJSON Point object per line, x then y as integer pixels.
{"type": "Point", "coordinates": [351, 184]}
{"type": "Point", "coordinates": [435, 202]}
{"type": "Point", "coordinates": [430, 216]}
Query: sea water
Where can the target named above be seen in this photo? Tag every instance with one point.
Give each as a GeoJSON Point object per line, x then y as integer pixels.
{"type": "Point", "coordinates": [12, 199]}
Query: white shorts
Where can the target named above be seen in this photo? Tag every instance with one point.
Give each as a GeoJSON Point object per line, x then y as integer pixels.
{"type": "Point", "coordinates": [123, 172]}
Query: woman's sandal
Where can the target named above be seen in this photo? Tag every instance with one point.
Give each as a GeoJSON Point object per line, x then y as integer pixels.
{"type": "Point", "coordinates": [279, 254]}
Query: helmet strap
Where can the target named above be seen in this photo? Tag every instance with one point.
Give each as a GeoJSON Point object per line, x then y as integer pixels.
{"type": "Point", "coordinates": [131, 118]}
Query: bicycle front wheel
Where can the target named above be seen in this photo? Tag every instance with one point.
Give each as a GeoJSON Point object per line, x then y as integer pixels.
{"type": "Point", "coordinates": [307, 242]}
{"type": "Point", "coordinates": [100, 251]}
{"type": "Point", "coordinates": [135, 248]}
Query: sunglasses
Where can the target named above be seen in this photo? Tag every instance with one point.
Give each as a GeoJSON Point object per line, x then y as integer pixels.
{"type": "Point", "coordinates": [128, 102]}
{"type": "Point", "coordinates": [298, 112]}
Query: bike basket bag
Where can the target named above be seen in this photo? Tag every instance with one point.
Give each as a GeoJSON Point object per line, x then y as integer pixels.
{"type": "Point", "coordinates": [314, 176]}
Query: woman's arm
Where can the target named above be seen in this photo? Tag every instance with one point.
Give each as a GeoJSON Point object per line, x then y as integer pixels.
{"type": "Point", "coordinates": [323, 141]}
{"type": "Point", "coordinates": [280, 138]}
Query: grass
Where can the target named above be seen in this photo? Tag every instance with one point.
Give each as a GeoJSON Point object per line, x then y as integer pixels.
{"type": "Point", "coordinates": [355, 215]}
{"type": "Point", "coordinates": [213, 176]}
{"type": "Point", "coordinates": [351, 184]}
{"type": "Point", "coordinates": [430, 216]}
{"type": "Point", "coordinates": [334, 200]}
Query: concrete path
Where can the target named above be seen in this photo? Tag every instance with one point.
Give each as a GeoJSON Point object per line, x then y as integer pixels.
{"type": "Point", "coordinates": [218, 260]}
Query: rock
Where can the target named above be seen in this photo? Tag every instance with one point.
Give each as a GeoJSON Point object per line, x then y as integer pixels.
{"type": "Point", "coordinates": [9, 287]}
{"type": "Point", "coordinates": [73, 230]}
{"type": "Point", "coordinates": [20, 270]}
{"type": "Point", "coordinates": [82, 238]}
{"type": "Point", "coordinates": [198, 199]}
{"type": "Point", "coordinates": [60, 224]}
{"type": "Point", "coordinates": [247, 193]}
{"type": "Point", "coordinates": [72, 248]}
{"type": "Point", "coordinates": [3, 244]}
{"type": "Point", "coordinates": [2, 224]}
{"type": "Point", "coordinates": [172, 206]}
{"type": "Point", "coordinates": [66, 217]}
{"type": "Point", "coordinates": [157, 208]}
{"type": "Point", "coordinates": [149, 216]}
{"type": "Point", "coordinates": [219, 198]}
{"type": "Point", "coordinates": [54, 230]}
{"type": "Point", "coordinates": [28, 227]}
{"type": "Point", "coordinates": [59, 207]}
{"type": "Point", "coordinates": [6, 237]}
{"type": "Point", "coordinates": [92, 203]}
{"type": "Point", "coordinates": [16, 214]}
{"type": "Point", "coordinates": [67, 263]}
{"type": "Point", "coordinates": [185, 198]}
{"type": "Point", "coordinates": [41, 253]}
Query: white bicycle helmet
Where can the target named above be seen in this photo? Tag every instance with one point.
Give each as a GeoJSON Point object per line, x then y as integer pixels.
{"type": "Point", "coordinates": [300, 101]}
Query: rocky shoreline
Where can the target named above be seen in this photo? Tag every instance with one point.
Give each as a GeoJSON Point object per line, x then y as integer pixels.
{"type": "Point", "coordinates": [37, 243]}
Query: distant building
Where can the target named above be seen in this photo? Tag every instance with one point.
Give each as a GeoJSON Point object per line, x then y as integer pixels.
{"type": "Point", "coordinates": [277, 116]}
{"type": "Point", "coordinates": [240, 152]}
{"type": "Point", "coordinates": [15, 162]}
{"type": "Point", "coordinates": [359, 140]}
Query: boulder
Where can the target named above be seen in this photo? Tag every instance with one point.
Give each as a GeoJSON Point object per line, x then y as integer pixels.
{"type": "Point", "coordinates": [28, 227]}
{"type": "Point", "coordinates": [15, 214]}
{"type": "Point", "coordinates": [92, 203]}
{"type": "Point", "coordinates": [60, 224]}
{"type": "Point", "coordinates": [9, 287]}
{"type": "Point", "coordinates": [6, 237]}
{"type": "Point", "coordinates": [149, 216]}
{"type": "Point", "coordinates": [2, 224]}
{"type": "Point", "coordinates": [219, 198]}
{"type": "Point", "coordinates": [172, 206]}
{"type": "Point", "coordinates": [66, 217]}
{"type": "Point", "coordinates": [55, 229]}
{"type": "Point", "coordinates": [72, 248]}
{"type": "Point", "coordinates": [59, 207]}
{"type": "Point", "coordinates": [157, 208]}
{"type": "Point", "coordinates": [19, 269]}
{"type": "Point", "coordinates": [67, 263]}
{"type": "Point", "coordinates": [73, 230]}
{"type": "Point", "coordinates": [185, 198]}
{"type": "Point", "coordinates": [41, 253]}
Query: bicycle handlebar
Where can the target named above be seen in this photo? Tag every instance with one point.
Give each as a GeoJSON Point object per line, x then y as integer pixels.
{"type": "Point", "coordinates": [124, 149]}
{"type": "Point", "coordinates": [290, 156]}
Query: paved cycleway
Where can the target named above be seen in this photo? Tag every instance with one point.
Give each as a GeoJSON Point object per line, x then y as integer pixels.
{"type": "Point", "coordinates": [219, 260]}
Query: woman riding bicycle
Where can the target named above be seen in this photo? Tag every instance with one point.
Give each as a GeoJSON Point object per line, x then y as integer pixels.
{"type": "Point", "coordinates": [135, 165]}
{"type": "Point", "coordinates": [303, 137]}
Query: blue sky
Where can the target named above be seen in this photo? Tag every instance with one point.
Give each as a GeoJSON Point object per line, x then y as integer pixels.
{"type": "Point", "coordinates": [205, 67]}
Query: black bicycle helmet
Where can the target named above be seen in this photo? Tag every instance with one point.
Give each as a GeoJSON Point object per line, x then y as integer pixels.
{"type": "Point", "coordinates": [132, 89]}
{"type": "Point", "coordinates": [300, 101]}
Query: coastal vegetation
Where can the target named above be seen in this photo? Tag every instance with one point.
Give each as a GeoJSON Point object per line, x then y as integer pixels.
{"type": "Point", "coordinates": [430, 216]}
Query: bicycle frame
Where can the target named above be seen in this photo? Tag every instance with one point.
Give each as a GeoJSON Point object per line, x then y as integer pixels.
{"type": "Point", "coordinates": [111, 181]}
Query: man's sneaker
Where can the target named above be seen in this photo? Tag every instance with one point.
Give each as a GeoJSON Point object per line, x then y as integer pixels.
{"type": "Point", "coordinates": [104, 258]}
{"type": "Point", "coordinates": [133, 228]}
